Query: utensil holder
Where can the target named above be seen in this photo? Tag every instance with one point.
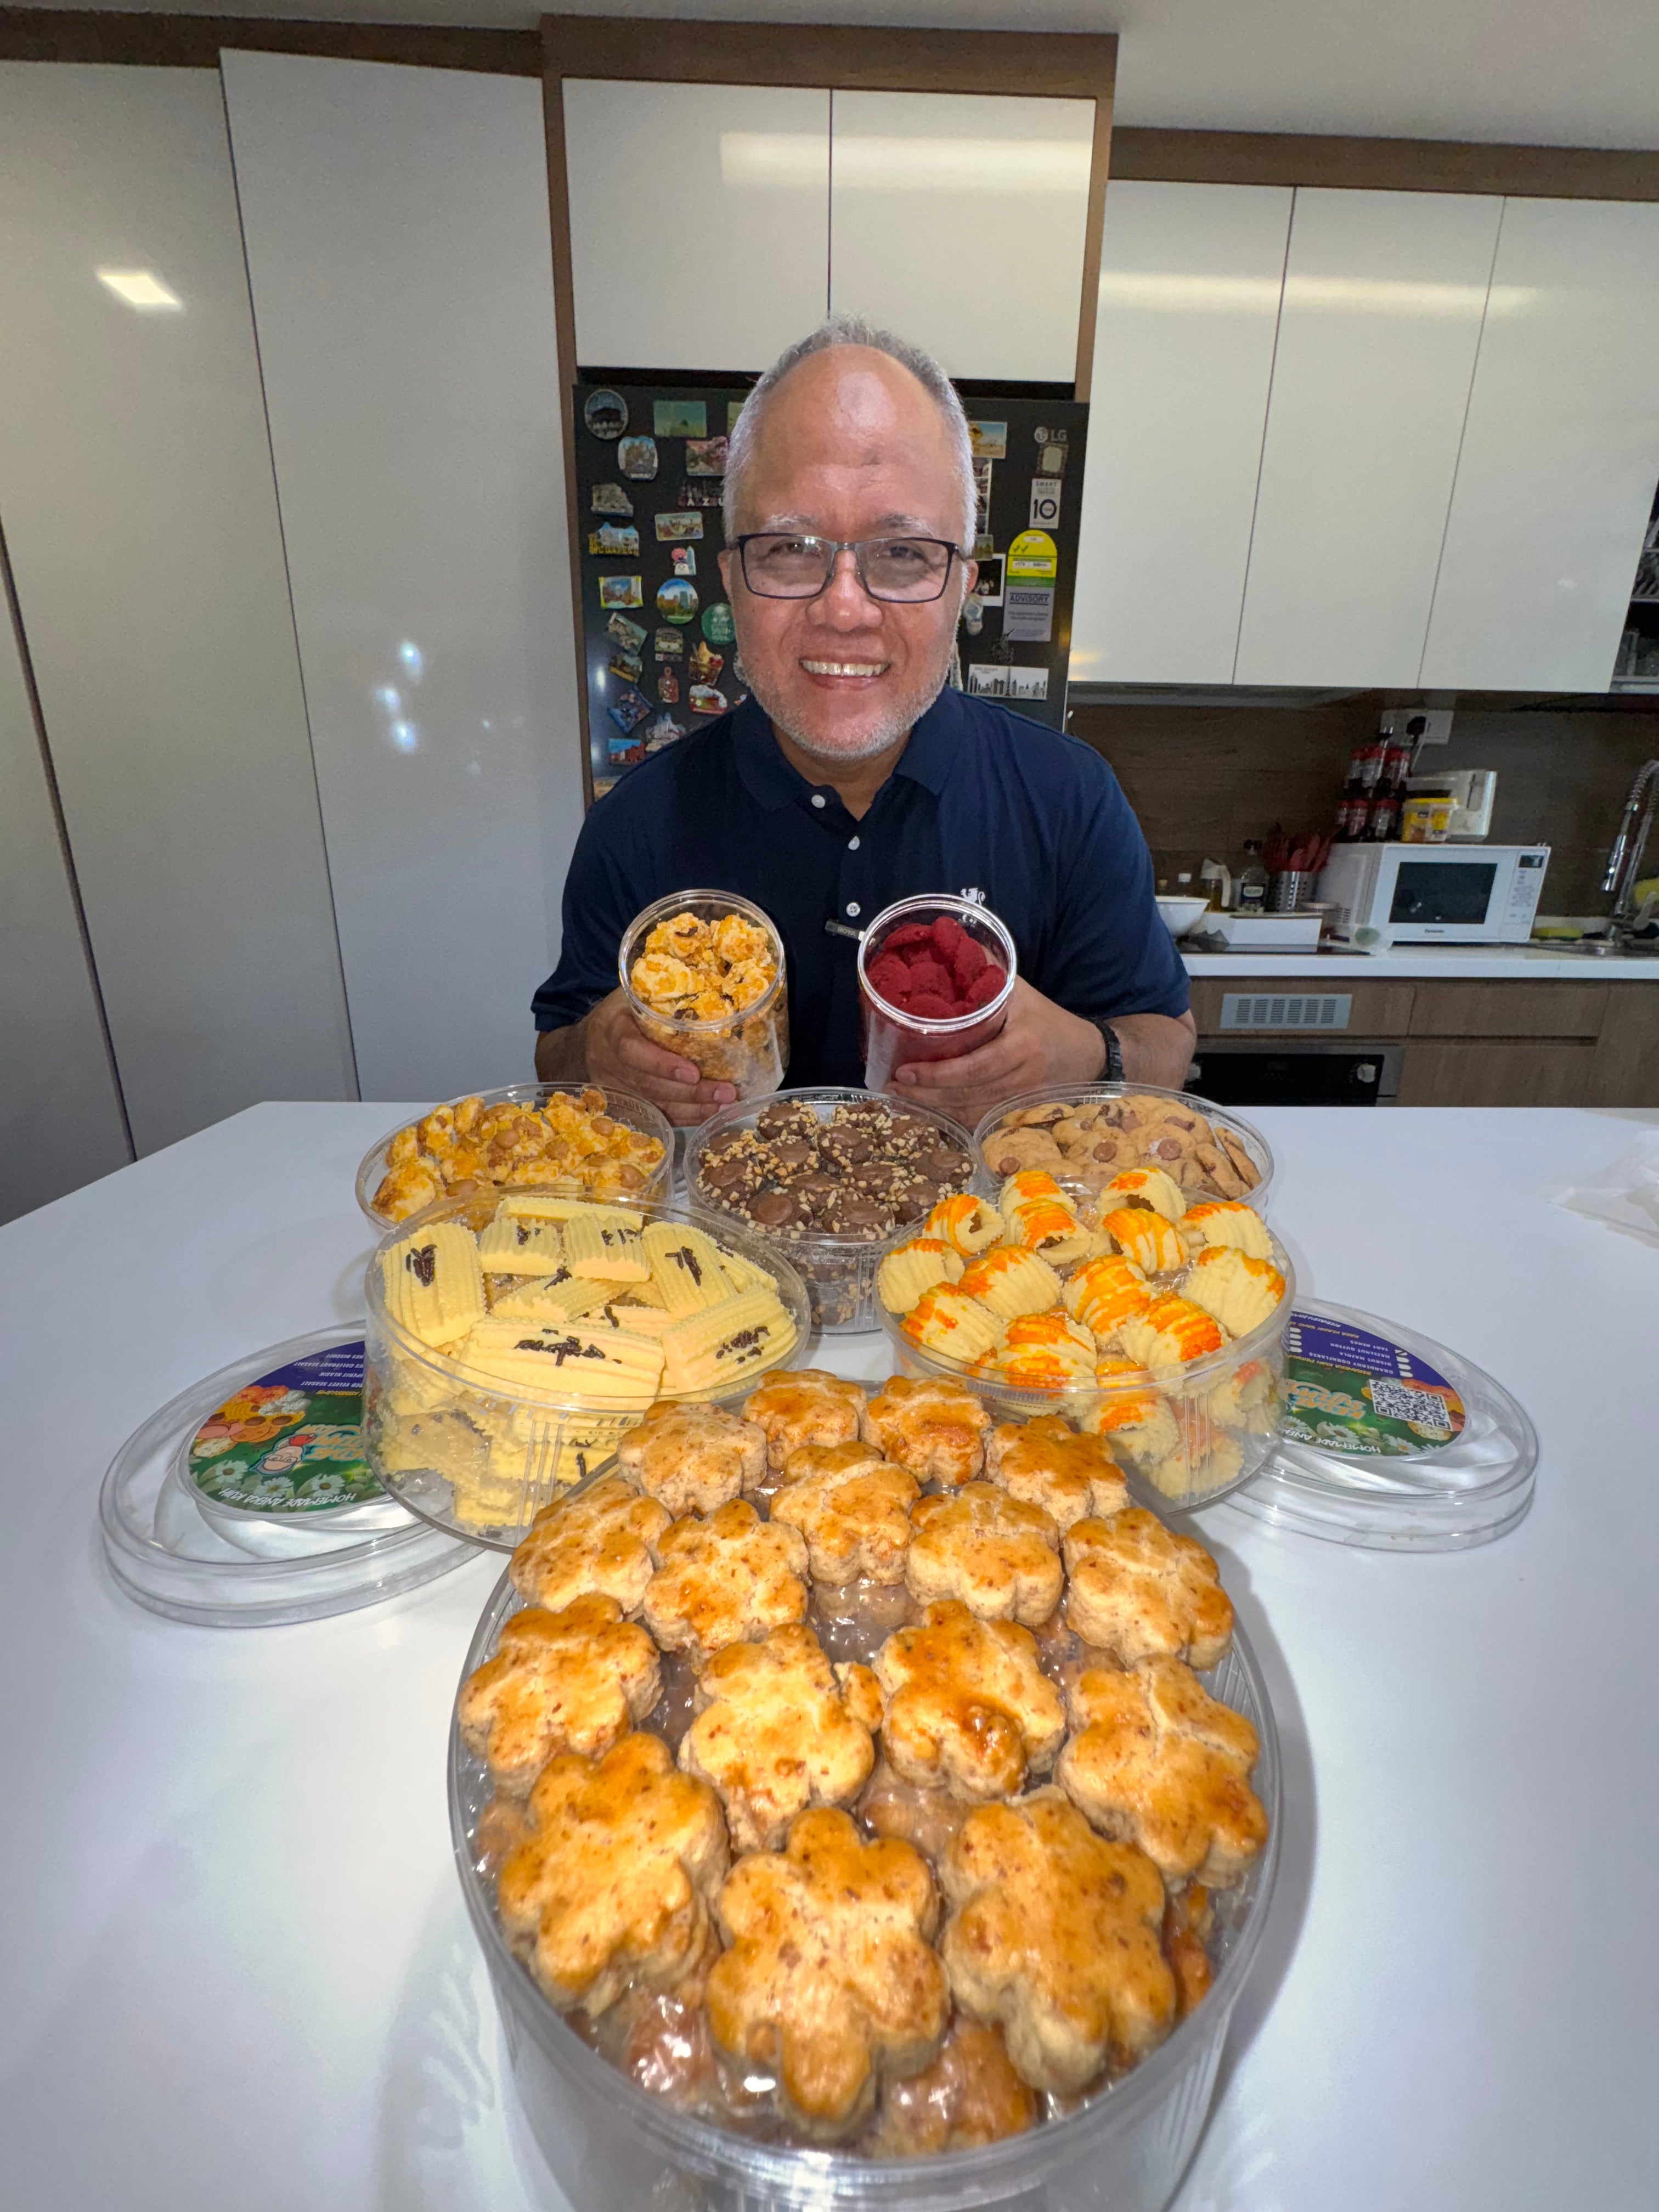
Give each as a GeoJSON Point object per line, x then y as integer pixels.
{"type": "Point", "coordinates": [1288, 888]}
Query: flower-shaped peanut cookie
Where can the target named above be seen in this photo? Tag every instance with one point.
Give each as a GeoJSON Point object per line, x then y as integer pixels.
{"type": "Point", "coordinates": [936, 1429]}
{"type": "Point", "coordinates": [730, 1579]}
{"type": "Point", "coordinates": [603, 1539]}
{"type": "Point", "coordinates": [1046, 1462]}
{"type": "Point", "coordinates": [970, 2095]}
{"type": "Point", "coordinates": [1141, 1592]}
{"type": "Point", "coordinates": [855, 1515]}
{"type": "Point", "coordinates": [1053, 1932]}
{"type": "Point", "coordinates": [807, 1405]}
{"type": "Point", "coordinates": [969, 1709]}
{"type": "Point", "coordinates": [692, 1458]}
{"type": "Point", "coordinates": [1158, 1763]}
{"type": "Point", "coordinates": [572, 1680]}
{"type": "Point", "coordinates": [616, 1885]}
{"type": "Point", "coordinates": [779, 1728]}
{"type": "Point", "coordinates": [830, 1981]}
{"type": "Point", "coordinates": [1000, 1556]}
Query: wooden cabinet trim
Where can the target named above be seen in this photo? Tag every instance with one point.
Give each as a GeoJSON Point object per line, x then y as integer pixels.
{"type": "Point", "coordinates": [1493, 1009]}
{"type": "Point", "coordinates": [1401, 164]}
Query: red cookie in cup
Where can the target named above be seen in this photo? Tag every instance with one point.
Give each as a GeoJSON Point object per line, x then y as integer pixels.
{"type": "Point", "coordinates": [934, 978]}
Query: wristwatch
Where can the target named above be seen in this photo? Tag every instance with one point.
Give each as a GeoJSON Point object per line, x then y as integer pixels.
{"type": "Point", "coordinates": [1113, 1071]}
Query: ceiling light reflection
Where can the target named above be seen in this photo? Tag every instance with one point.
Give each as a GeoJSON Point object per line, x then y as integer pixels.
{"type": "Point", "coordinates": [405, 736]}
{"type": "Point", "coordinates": [140, 288]}
{"type": "Point", "coordinates": [1167, 292]}
{"type": "Point", "coordinates": [799, 160]}
{"type": "Point", "coordinates": [411, 657]}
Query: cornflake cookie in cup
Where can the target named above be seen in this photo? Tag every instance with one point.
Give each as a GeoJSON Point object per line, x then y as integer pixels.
{"type": "Point", "coordinates": [702, 972]}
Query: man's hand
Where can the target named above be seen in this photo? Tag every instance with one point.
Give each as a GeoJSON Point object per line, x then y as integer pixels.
{"type": "Point", "coordinates": [1039, 1045]}
{"type": "Point", "coordinates": [613, 1048]}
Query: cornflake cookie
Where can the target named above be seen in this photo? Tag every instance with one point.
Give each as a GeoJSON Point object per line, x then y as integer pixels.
{"type": "Point", "coordinates": [1160, 1764]}
{"type": "Point", "coordinates": [969, 1709]}
{"type": "Point", "coordinates": [573, 1680]}
{"type": "Point", "coordinates": [1142, 1592]}
{"type": "Point", "coordinates": [807, 1406]}
{"type": "Point", "coordinates": [936, 1429]}
{"type": "Point", "coordinates": [602, 1539]}
{"type": "Point", "coordinates": [855, 1518]}
{"type": "Point", "coordinates": [777, 1729]}
{"type": "Point", "coordinates": [970, 2095]}
{"type": "Point", "coordinates": [730, 1579]}
{"type": "Point", "coordinates": [999, 1556]}
{"type": "Point", "coordinates": [692, 1458]}
{"type": "Point", "coordinates": [830, 1981]}
{"type": "Point", "coordinates": [1054, 1932]}
{"type": "Point", "coordinates": [1047, 1463]}
{"type": "Point", "coordinates": [567, 1142]}
{"type": "Point", "coordinates": [615, 1884]}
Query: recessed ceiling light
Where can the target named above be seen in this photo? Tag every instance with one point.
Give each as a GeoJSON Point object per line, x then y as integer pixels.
{"type": "Point", "coordinates": [139, 287]}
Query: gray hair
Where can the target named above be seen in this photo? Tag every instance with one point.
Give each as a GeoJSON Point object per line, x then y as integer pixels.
{"type": "Point", "coordinates": [843, 329]}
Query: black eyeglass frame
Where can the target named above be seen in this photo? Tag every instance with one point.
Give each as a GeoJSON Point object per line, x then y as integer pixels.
{"type": "Point", "coordinates": [857, 547]}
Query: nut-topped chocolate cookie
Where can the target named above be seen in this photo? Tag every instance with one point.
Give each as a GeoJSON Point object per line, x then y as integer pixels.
{"type": "Point", "coordinates": [861, 1170]}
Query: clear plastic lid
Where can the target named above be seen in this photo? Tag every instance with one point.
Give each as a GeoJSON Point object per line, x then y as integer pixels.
{"type": "Point", "coordinates": [1389, 1441]}
{"type": "Point", "coordinates": [247, 1502]}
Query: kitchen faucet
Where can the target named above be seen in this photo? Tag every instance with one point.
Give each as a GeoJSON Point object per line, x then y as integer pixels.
{"type": "Point", "coordinates": [1625, 859]}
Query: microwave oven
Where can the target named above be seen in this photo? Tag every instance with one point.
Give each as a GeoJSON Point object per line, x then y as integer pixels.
{"type": "Point", "coordinates": [1383, 895]}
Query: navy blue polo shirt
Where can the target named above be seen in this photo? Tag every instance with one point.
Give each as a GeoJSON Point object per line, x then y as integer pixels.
{"type": "Point", "coordinates": [980, 799]}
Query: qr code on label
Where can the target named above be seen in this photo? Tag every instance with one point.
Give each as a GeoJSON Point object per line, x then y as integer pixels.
{"type": "Point", "coordinates": [1397, 1401]}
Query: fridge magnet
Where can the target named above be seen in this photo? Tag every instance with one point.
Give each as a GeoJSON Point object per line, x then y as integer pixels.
{"type": "Point", "coordinates": [685, 559]}
{"type": "Point", "coordinates": [704, 666]}
{"type": "Point", "coordinates": [987, 585]}
{"type": "Point", "coordinates": [973, 616]}
{"type": "Point", "coordinates": [706, 700]}
{"type": "Point", "coordinates": [1028, 683]}
{"type": "Point", "coordinates": [621, 591]}
{"type": "Point", "coordinates": [610, 499]}
{"type": "Point", "coordinates": [680, 418]}
{"type": "Point", "coordinates": [628, 709]}
{"type": "Point", "coordinates": [668, 687]}
{"type": "Point", "coordinates": [989, 440]}
{"type": "Point", "coordinates": [705, 456]}
{"type": "Point", "coordinates": [733, 409]}
{"type": "Point", "coordinates": [981, 496]}
{"type": "Point", "coordinates": [717, 624]}
{"type": "Point", "coordinates": [1051, 461]}
{"type": "Point", "coordinates": [700, 495]}
{"type": "Point", "coordinates": [987, 680]}
{"type": "Point", "coordinates": [1027, 614]}
{"type": "Point", "coordinates": [740, 676]}
{"type": "Point", "coordinates": [625, 751]}
{"type": "Point", "coordinates": [615, 541]}
{"type": "Point", "coordinates": [676, 601]}
{"type": "Point", "coordinates": [626, 663]}
{"type": "Point", "coordinates": [631, 634]}
{"type": "Point", "coordinates": [1045, 503]}
{"type": "Point", "coordinates": [663, 732]}
{"type": "Point", "coordinates": [678, 529]}
{"type": "Point", "coordinates": [605, 414]}
{"type": "Point", "coordinates": [1033, 558]}
{"type": "Point", "coordinates": [637, 458]}
{"type": "Point", "coordinates": [670, 645]}
{"type": "Point", "coordinates": [984, 546]}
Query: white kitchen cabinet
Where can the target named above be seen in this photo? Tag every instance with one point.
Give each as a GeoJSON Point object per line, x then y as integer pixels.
{"type": "Point", "coordinates": [957, 220]}
{"type": "Point", "coordinates": [1190, 278]}
{"type": "Point", "coordinates": [698, 220]}
{"type": "Point", "coordinates": [136, 496]}
{"type": "Point", "coordinates": [1384, 294]}
{"type": "Point", "coordinates": [1560, 456]}
{"type": "Point", "coordinates": [398, 244]}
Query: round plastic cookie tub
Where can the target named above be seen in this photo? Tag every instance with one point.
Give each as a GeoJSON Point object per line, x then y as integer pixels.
{"type": "Point", "coordinates": [1184, 1439]}
{"type": "Point", "coordinates": [613, 2146]}
{"type": "Point", "coordinates": [894, 1038]}
{"type": "Point", "coordinates": [748, 1049]}
{"type": "Point", "coordinates": [479, 1458]}
{"type": "Point", "coordinates": [839, 1271]}
{"type": "Point", "coordinates": [623, 1107]}
{"type": "Point", "coordinates": [1087, 1121]}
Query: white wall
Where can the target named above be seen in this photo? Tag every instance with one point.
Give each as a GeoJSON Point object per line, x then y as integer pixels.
{"type": "Point", "coordinates": [397, 243]}
{"type": "Point", "coordinates": [137, 497]}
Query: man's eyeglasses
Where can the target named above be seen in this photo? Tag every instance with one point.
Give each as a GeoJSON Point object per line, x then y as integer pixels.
{"type": "Point", "coordinates": [785, 564]}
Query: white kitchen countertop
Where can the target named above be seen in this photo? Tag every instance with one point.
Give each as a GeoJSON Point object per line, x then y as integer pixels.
{"type": "Point", "coordinates": [238, 1968]}
{"type": "Point", "coordinates": [1513, 964]}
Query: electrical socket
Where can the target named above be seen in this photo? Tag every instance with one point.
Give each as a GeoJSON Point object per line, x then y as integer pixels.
{"type": "Point", "coordinates": [1422, 725]}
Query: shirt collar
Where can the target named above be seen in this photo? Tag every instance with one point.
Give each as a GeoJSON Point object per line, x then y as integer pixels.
{"type": "Point", "coordinates": [772, 782]}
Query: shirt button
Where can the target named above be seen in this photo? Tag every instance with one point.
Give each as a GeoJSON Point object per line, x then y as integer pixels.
{"type": "Point", "coordinates": [852, 844]}
{"type": "Point", "coordinates": [852, 905]}
{"type": "Point", "coordinates": [817, 799]}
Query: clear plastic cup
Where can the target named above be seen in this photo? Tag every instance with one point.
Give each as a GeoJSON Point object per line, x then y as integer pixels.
{"type": "Point", "coordinates": [748, 1048]}
{"type": "Point", "coordinates": [892, 1038]}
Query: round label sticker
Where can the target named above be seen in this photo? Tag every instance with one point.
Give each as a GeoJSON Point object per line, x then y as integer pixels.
{"type": "Point", "coordinates": [290, 1444]}
{"type": "Point", "coordinates": [677, 600]}
{"type": "Point", "coordinates": [1350, 1390]}
{"type": "Point", "coordinates": [717, 623]}
{"type": "Point", "coordinates": [605, 414]}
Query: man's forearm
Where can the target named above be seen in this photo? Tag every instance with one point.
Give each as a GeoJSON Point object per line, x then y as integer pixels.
{"type": "Point", "coordinates": [1157, 1048]}
{"type": "Point", "coordinates": [562, 1054]}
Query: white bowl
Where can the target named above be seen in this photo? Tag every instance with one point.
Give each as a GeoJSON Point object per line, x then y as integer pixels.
{"type": "Point", "coordinates": [1179, 915]}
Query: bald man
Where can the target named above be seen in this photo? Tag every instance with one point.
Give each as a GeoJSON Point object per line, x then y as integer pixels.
{"type": "Point", "coordinates": [851, 776]}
